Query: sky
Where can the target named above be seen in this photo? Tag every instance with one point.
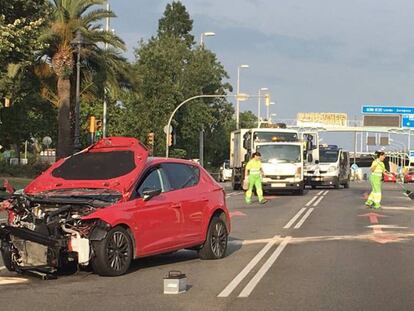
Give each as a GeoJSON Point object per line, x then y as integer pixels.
{"type": "Point", "coordinates": [313, 55]}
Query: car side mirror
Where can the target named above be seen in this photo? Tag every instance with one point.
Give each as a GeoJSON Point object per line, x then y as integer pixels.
{"type": "Point", "coordinates": [148, 194]}
{"type": "Point", "coordinates": [317, 162]}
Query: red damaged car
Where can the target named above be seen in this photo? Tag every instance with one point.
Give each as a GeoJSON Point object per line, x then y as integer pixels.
{"type": "Point", "coordinates": [112, 203]}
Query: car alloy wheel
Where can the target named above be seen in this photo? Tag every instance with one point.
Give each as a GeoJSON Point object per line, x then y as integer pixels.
{"type": "Point", "coordinates": [118, 251]}
{"type": "Point", "coordinates": [219, 239]}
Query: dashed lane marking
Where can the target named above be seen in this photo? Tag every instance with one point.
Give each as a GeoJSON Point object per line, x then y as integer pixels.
{"type": "Point", "coordinates": [240, 277]}
{"type": "Point", "coordinates": [300, 223]}
{"type": "Point", "coordinates": [266, 266]}
{"type": "Point", "coordinates": [318, 201]}
{"type": "Point", "coordinates": [320, 192]}
{"type": "Point", "coordinates": [292, 221]}
{"type": "Point", "coordinates": [397, 208]}
{"type": "Point", "coordinates": [326, 192]}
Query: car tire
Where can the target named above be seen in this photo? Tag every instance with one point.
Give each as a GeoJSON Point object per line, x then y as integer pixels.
{"type": "Point", "coordinates": [113, 254]}
{"type": "Point", "coordinates": [6, 253]}
{"type": "Point", "coordinates": [215, 245]}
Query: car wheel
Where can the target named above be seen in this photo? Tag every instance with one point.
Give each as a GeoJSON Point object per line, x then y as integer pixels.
{"type": "Point", "coordinates": [6, 252]}
{"type": "Point", "coordinates": [113, 254]}
{"type": "Point", "coordinates": [215, 245]}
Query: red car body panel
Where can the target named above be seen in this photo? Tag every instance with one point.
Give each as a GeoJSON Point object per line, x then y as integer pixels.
{"type": "Point", "coordinates": [409, 178]}
{"type": "Point", "coordinates": [172, 220]}
{"type": "Point", "coordinates": [390, 177]}
{"type": "Point", "coordinates": [122, 184]}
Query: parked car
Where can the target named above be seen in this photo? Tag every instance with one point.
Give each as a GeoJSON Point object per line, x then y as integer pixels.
{"type": "Point", "coordinates": [390, 177]}
{"type": "Point", "coordinates": [225, 171]}
{"type": "Point", "coordinates": [409, 176]}
{"type": "Point", "coordinates": [112, 203]}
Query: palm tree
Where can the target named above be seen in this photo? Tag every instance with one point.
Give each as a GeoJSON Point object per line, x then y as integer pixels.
{"type": "Point", "coordinates": [69, 16]}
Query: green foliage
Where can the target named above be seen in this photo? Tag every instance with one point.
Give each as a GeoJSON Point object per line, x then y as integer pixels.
{"type": "Point", "coordinates": [21, 23]}
{"type": "Point", "coordinates": [248, 119]}
{"type": "Point", "coordinates": [30, 170]}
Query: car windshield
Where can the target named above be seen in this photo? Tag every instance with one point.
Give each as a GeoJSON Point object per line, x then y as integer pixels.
{"type": "Point", "coordinates": [280, 153]}
{"type": "Point", "coordinates": [328, 156]}
{"type": "Point", "coordinates": [96, 166]}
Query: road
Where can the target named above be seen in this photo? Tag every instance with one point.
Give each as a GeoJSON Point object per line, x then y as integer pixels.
{"type": "Point", "coordinates": [320, 251]}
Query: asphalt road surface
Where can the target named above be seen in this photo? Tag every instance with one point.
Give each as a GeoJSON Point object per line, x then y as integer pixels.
{"type": "Point", "coordinates": [320, 251]}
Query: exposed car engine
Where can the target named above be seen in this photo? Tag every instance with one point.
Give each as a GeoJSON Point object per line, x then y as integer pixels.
{"type": "Point", "coordinates": [48, 234]}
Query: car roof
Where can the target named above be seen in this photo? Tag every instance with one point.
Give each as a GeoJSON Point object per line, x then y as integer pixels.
{"type": "Point", "coordinates": [159, 160]}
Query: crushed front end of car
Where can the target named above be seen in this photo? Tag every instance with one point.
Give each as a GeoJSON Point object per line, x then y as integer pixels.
{"type": "Point", "coordinates": [47, 234]}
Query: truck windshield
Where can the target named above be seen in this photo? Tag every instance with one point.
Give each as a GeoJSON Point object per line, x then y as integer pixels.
{"type": "Point", "coordinates": [280, 153]}
{"type": "Point", "coordinates": [267, 137]}
{"type": "Point", "coordinates": [328, 156]}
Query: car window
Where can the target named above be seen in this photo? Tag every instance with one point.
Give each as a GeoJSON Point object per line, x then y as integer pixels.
{"type": "Point", "coordinates": [181, 175]}
{"type": "Point", "coordinates": [152, 181]}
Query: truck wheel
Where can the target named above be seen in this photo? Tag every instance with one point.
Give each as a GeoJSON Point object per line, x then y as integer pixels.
{"type": "Point", "coordinates": [337, 184]}
{"type": "Point", "coordinates": [215, 245]}
{"type": "Point", "coordinates": [300, 191]}
{"type": "Point", "coordinates": [346, 185]}
{"type": "Point", "coordinates": [113, 254]}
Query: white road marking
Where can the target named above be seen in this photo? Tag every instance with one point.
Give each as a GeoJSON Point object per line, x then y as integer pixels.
{"type": "Point", "coordinates": [300, 223]}
{"type": "Point", "coordinates": [326, 192]}
{"type": "Point", "coordinates": [320, 192]}
{"type": "Point", "coordinates": [236, 281]}
{"type": "Point", "coordinates": [311, 201]}
{"type": "Point", "coordinates": [386, 227]}
{"type": "Point", "coordinates": [266, 266]}
{"type": "Point", "coordinates": [318, 201]}
{"type": "Point", "coordinates": [291, 222]}
{"type": "Point", "coordinates": [12, 280]}
{"type": "Point", "coordinates": [402, 208]}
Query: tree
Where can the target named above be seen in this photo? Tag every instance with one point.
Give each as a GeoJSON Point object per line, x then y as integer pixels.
{"type": "Point", "coordinates": [69, 17]}
{"type": "Point", "coordinates": [170, 70]}
{"type": "Point", "coordinates": [248, 119]}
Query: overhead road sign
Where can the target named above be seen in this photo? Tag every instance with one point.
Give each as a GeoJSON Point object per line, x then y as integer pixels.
{"type": "Point", "coordinates": [408, 121]}
{"type": "Point", "coordinates": [316, 119]}
{"type": "Point", "coordinates": [383, 121]}
{"type": "Point", "coordinates": [387, 110]}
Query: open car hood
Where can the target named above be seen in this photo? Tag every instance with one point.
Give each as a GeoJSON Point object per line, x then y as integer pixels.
{"type": "Point", "coordinates": [111, 163]}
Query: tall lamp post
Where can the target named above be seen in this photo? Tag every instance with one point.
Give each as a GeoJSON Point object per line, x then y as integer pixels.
{"type": "Point", "coordinates": [77, 43]}
{"type": "Point", "coordinates": [205, 34]}
{"type": "Point", "coordinates": [268, 109]}
{"type": "Point", "coordinates": [259, 104]}
{"type": "Point", "coordinates": [237, 97]}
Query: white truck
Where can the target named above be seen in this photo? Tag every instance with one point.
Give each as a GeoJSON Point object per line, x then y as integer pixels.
{"type": "Point", "coordinates": [332, 168]}
{"type": "Point", "coordinates": [282, 157]}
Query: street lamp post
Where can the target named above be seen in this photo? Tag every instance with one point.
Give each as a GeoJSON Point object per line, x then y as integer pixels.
{"type": "Point", "coordinates": [268, 110]}
{"type": "Point", "coordinates": [77, 42]}
{"type": "Point", "coordinates": [105, 105]}
{"type": "Point", "coordinates": [259, 104]}
{"type": "Point", "coordinates": [205, 34]}
{"type": "Point", "coordinates": [237, 97]}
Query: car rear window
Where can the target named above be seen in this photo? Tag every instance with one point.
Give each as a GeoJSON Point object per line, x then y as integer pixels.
{"type": "Point", "coordinates": [96, 166]}
{"type": "Point", "coordinates": [181, 175]}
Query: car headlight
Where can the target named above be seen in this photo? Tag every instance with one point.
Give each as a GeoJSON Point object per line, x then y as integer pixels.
{"type": "Point", "coordinates": [298, 172]}
{"type": "Point", "coordinates": [331, 169]}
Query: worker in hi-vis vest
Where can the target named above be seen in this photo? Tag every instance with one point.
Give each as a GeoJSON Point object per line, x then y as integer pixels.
{"type": "Point", "coordinates": [253, 174]}
{"type": "Point", "coordinates": [377, 170]}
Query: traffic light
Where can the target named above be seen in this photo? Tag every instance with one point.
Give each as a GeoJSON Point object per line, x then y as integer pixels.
{"type": "Point", "coordinates": [92, 124]}
{"type": "Point", "coordinates": [98, 126]}
{"type": "Point", "coordinates": [7, 102]}
{"type": "Point", "coordinates": [150, 139]}
{"type": "Point", "coordinates": [98, 129]}
{"type": "Point", "coordinates": [170, 140]}
{"type": "Point", "coordinates": [267, 98]}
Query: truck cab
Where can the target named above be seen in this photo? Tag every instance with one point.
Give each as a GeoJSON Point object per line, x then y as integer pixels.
{"type": "Point", "coordinates": [331, 169]}
{"type": "Point", "coordinates": [282, 157]}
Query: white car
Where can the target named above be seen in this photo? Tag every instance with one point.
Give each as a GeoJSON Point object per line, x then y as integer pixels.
{"type": "Point", "coordinates": [225, 172]}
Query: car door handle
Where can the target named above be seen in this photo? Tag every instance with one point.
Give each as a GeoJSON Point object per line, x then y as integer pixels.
{"type": "Point", "coordinates": [176, 206]}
